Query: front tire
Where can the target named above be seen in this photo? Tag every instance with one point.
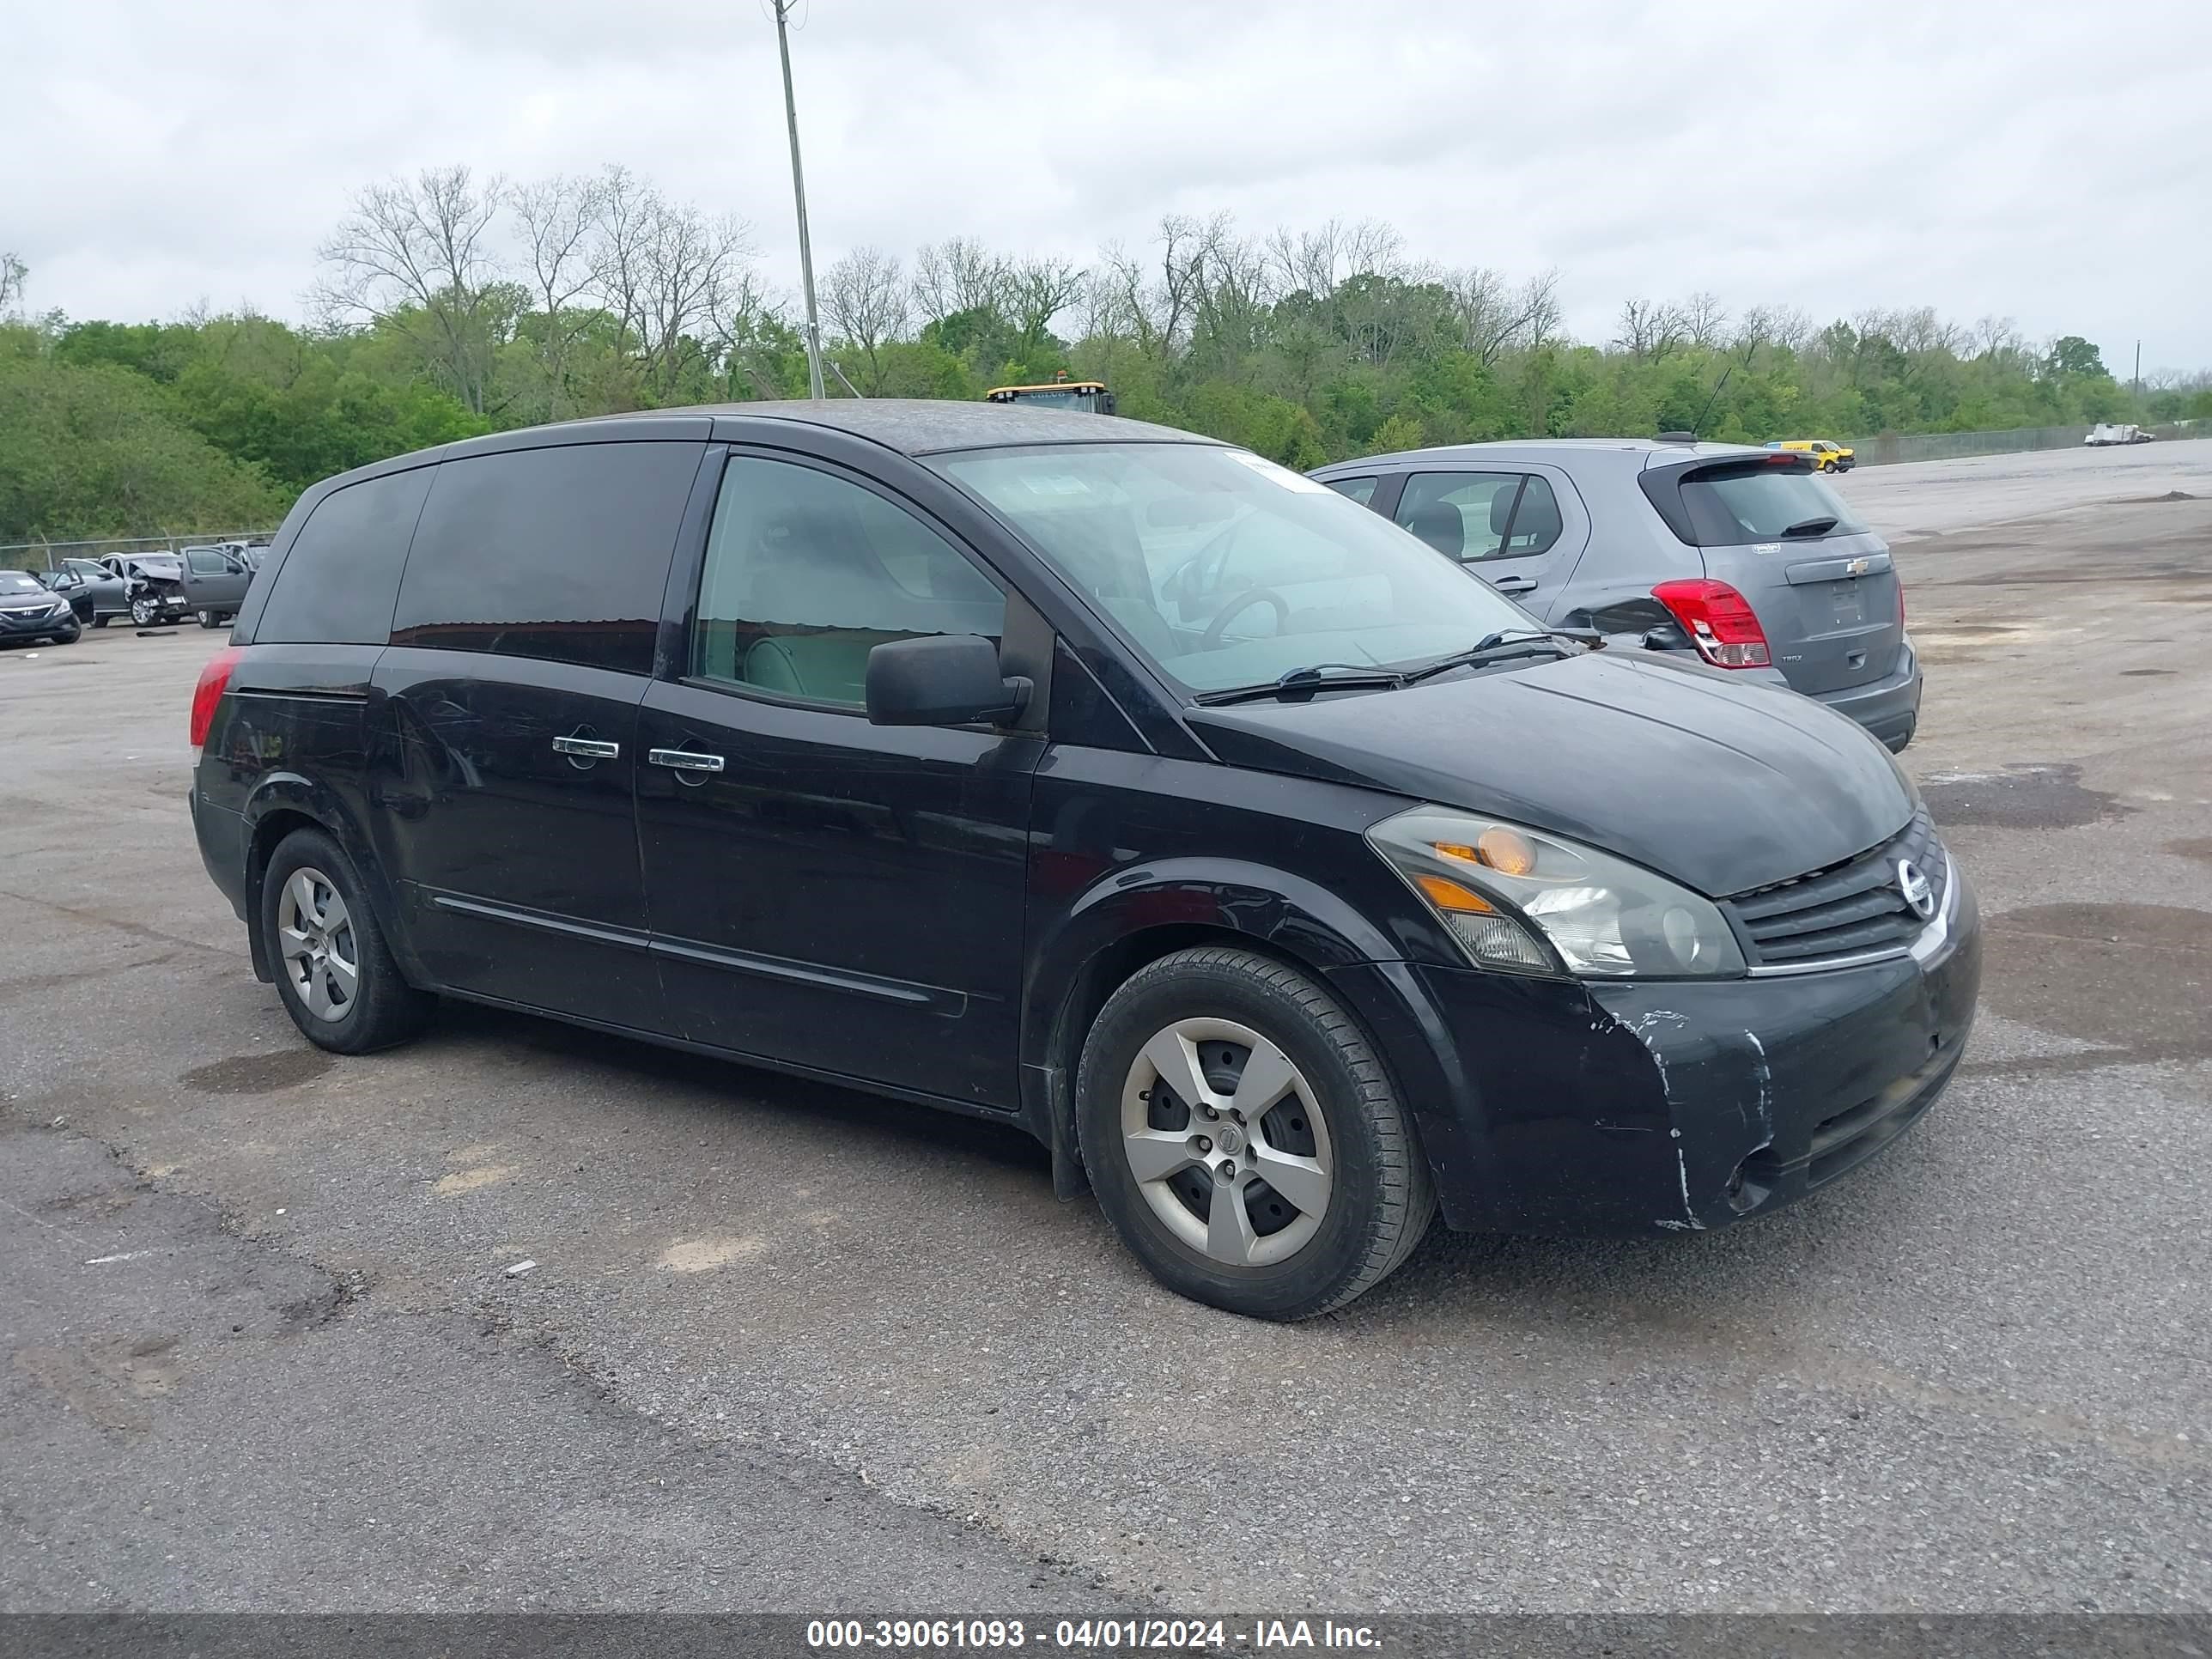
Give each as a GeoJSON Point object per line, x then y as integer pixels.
{"type": "Point", "coordinates": [145, 612]}
{"type": "Point", "coordinates": [334, 972]}
{"type": "Point", "coordinates": [1245, 1140]}
{"type": "Point", "coordinates": [208, 619]}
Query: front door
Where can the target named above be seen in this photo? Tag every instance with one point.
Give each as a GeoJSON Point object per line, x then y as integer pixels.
{"type": "Point", "coordinates": [507, 721]}
{"type": "Point", "coordinates": [824, 892]}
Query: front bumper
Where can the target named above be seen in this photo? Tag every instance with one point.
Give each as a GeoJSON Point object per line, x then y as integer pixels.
{"type": "Point", "coordinates": [1570, 1108]}
{"type": "Point", "coordinates": [62, 626]}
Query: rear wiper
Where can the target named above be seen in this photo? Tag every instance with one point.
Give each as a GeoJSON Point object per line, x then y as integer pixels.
{"type": "Point", "coordinates": [1314, 676]}
{"type": "Point", "coordinates": [1506, 642]}
{"type": "Point", "coordinates": [1810, 527]}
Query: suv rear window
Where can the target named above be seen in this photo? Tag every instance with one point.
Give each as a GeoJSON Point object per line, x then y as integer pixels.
{"type": "Point", "coordinates": [1729, 505]}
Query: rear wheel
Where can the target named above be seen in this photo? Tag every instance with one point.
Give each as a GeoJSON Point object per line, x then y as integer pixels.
{"type": "Point", "coordinates": [334, 972]}
{"type": "Point", "coordinates": [1244, 1138]}
{"type": "Point", "coordinates": [100, 618]}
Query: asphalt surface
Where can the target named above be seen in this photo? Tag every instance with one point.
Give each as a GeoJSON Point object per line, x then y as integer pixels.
{"type": "Point", "coordinates": [787, 1347]}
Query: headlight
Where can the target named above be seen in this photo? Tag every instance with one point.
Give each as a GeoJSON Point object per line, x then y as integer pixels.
{"type": "Point", "coordinates": [1530, 903]}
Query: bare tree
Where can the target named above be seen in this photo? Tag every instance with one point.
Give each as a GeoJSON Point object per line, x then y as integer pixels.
{"type": "Point", "coordinates": [959, 274]}
{"type": "Point", "coordinates": [13, 271]}
{"type": "Point", "coordinates": [1536, 311]}
{"type": "Point", "coordinates": [665, 272]}
{"type": "Point", "coordinates": [1704, 320]}
{"type": "Point", "coordinates": [1996, 338]}
{"type": "Point", "coordinates": [558, 219]}
{"type": "Point", "coordinates": [1482, 309]}
{"type": "Point", "coordinates": [1648, 331]}
{"type": "Point", "coordinates": [1183, 242]}
{"type": "Point", "coordinates": [865, 294]}
{"type": "Point", "coordinates": [740, 333]}
{"type": "Point", "coordinates": [691, 263]}
{"type": "Point", "coordinates": [1039, 289]}
{"type": "Point", "coordinates": [416, 255]}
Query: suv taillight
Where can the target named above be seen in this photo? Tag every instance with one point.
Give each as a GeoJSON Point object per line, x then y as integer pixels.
{"type": "Point", "coordinates": [214, 680]}
{"type": "Point", "coordinates": [1719, 621]}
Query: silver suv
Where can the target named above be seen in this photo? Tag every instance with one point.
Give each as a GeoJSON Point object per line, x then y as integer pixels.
{"type": "Point", "coordinates": [1745, 555]}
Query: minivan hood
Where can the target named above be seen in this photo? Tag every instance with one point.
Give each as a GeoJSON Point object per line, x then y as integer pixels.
{"type": "Point", "coordinates": [1722, 784]}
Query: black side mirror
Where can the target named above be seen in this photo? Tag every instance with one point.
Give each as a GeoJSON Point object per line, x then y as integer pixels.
{"type": "Point", "coordinates": [942, 679]}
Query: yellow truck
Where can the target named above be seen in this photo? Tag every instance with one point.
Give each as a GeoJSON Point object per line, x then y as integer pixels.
{"type": "Point", "coordinates": [1826, 457]}
{"type": "Point", "coordinates": [1090, 395]}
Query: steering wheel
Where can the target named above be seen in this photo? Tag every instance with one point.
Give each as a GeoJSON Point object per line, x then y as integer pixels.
{"type": "Point", "coordinates": [1244, 602]}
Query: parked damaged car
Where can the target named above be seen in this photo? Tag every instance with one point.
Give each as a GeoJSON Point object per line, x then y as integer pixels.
{"type": "Point", "coordinates": [1097, 779]}
{"type": "Point", "coordinates": [152, 586]}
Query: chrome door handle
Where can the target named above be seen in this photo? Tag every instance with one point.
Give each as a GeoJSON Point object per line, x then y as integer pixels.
{"type": "Point", "coordinates": [684, 760]}
{"type": "Point", "coordinates": [589, 748]}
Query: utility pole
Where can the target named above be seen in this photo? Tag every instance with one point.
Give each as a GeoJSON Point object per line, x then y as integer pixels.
{"type": "Point", "coordinates": [2138, 381]}
{"type": "Point", "coordinates": [798, 193]}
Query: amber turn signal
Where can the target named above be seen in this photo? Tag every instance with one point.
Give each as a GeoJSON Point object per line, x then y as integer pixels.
{"type": "Point", "coordinates": [1449, 896]}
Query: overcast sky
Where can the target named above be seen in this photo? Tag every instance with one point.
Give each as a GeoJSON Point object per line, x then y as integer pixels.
{"type": "Point", "coordinates": [2048, 162]}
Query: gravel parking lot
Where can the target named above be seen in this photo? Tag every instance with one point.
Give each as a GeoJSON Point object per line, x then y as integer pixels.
{"type": "Point", "coordinates": [789, 1348]}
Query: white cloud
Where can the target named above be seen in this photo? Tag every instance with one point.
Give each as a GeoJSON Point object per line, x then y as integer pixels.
{"type": "Point", "coordinates": [2046, 163]}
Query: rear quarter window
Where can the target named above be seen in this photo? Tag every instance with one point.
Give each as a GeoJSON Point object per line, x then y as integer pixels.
{"type": "Point", "coordinates": [337, 585]}
{"type": "Point", "coordinates": [560, 554]}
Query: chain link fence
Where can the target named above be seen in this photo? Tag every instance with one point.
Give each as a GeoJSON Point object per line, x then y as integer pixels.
{"type": "Point", "coordinates": [48, 556]}
{"type": "Point", "coordinates": [1947, 446]}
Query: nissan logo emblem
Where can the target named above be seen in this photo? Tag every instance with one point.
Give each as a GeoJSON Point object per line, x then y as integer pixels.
{"type": "Point", "coordinates": [1919, 892]}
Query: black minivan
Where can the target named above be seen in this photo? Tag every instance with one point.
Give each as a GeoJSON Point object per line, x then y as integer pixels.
{"type": "Point", "coordinates": [1287, 881]}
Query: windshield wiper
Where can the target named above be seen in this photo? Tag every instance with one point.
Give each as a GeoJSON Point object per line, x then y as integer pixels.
{"type": "Point", "coordinates": [1314, 676]}
{"type": "Point", "coordinates": [1810, 527]}
{"type": "Point", "coordinates": [1505, 643]}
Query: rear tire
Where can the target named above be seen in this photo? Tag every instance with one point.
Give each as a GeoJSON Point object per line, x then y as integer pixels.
{"type": "Point", "coordinates": [334, 971]}
{"type": "Point", "coordinates": [1330, 1188]}
{"type": "Point", "coordinates": [99, 619]}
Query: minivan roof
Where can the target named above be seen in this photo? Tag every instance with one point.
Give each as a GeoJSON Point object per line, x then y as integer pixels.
{"type": "Point", "coordinates": [1647, 452]}
{"type": "Point", "coordinates": [913, 426]}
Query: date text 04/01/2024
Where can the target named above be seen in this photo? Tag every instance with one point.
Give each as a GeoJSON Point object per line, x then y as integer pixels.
{"type": "Point", "coordinates": [1085, 1635]}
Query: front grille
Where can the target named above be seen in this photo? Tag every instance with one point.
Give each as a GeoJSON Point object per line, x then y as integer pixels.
{"type": "Point", "coordinates": [1845, 910]}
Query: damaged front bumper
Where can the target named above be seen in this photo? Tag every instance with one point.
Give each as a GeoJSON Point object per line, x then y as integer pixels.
{"type": "Point", "coordinates": [1580, 1109]}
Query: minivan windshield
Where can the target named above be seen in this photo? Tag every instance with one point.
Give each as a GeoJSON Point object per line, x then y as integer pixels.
{"type": "Point", "coordinates": [1228, 570]}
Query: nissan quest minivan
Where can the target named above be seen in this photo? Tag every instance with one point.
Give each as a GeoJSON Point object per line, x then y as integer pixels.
{"type": "Point", "coordinates": [1286, 881]}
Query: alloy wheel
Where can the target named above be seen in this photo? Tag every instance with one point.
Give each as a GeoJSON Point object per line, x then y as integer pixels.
{"type": "Point", "coordinates": [1226, 1142]}
{"type": "Point", "coordinates": [315, 937]}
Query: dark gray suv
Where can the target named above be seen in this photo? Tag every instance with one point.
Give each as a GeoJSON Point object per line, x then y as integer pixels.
{"type": "Point", "coordinates": [1746, 557]}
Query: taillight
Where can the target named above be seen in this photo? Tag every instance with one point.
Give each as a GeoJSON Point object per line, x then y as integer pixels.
{"type": "Point", "coordinates": [1719, 621]}
{"type": "Point", "coordinates": [214, 680]}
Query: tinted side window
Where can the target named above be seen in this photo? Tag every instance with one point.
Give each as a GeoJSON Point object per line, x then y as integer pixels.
{"type": "Point", "coordinates": [337, 585]}
{"type": "Point", "coordinates": [560, 554]}
{"type": "Point", "coordinates": [1359, 489]}
{"type": "Point", "coordinates": [806, 573]}
{"type": "Point", "coordinates": [1462, 515]}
